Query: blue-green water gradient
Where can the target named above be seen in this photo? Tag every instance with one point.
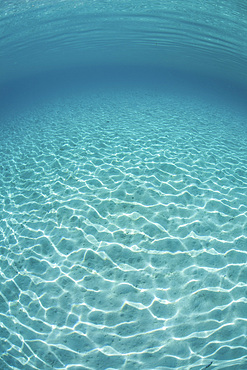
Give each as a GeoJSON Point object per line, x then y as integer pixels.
{"type": "Point", "coordinates": [123, 184]}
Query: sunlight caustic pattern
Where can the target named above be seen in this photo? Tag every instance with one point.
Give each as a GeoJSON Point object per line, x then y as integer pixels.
{"type": "Point", "coordinates": [124, 235]}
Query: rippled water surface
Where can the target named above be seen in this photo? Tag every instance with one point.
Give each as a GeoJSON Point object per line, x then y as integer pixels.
{"type": "Point", "coordinates": [123, 185]}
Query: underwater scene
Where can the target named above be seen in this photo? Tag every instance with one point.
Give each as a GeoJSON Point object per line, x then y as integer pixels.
{"type": "Point", "coordinates": [123, 185]}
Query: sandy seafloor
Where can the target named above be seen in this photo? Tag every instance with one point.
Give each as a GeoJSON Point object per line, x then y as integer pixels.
{"type": "Point", "coordinates": [123, 235]}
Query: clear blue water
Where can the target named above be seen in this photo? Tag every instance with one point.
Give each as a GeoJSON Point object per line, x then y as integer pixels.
{"type": "Point", "coordinates": [123, 185]}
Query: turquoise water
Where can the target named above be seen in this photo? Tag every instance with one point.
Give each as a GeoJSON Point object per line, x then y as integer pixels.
{"type": "Point", "coordinates": [123, 185]}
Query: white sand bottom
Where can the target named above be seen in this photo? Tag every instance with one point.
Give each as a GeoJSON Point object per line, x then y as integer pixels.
{"type": "Point", "coordinates": [123, 235]}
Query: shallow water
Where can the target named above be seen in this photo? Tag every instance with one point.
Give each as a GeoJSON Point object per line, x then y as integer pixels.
{"type": "Point", "coordinates": [123, 185]}
{"type": "Point", "coordinates": [124, 235]}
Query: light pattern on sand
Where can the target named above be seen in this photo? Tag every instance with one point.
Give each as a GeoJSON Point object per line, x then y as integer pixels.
{"type": "Point", "coordinates": [123, 235]}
